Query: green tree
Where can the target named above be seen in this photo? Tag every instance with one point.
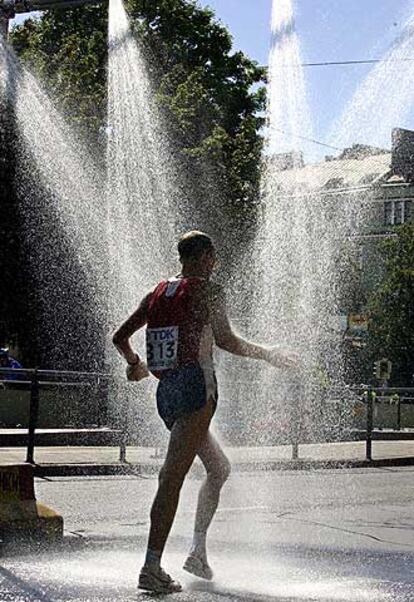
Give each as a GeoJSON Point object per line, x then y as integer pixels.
{"type": "Point", "coordinates": [206, 89]}
{"type": "Point", "coordinates": [392, 307]}
{"type": "Point", "coordinates": [67, 50]}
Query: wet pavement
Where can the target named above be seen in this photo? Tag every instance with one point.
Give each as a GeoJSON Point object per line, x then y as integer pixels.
{"type": "Point", "coordinates": [327, 535]}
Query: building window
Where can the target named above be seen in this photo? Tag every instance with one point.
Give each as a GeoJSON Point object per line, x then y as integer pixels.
{"type": "Point", "coordinates": [397, 212]}
{"type": "Point", "coordinates": [408, 211]}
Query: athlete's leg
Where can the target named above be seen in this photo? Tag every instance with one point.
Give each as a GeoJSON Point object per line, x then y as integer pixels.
{"type": "Point", "coordinates": [218, 470]}
{"type": "Point", "coordinates": [186, 437]}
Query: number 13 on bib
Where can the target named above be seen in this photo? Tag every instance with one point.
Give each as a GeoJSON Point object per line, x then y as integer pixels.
{"type": "Point", "coordinates": [162, 348]}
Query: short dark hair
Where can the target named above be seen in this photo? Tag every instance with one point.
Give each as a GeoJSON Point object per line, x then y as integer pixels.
{"type": "Point", "coordinates": [193, 244]}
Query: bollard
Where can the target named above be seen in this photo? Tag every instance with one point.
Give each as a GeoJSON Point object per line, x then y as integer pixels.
{"type": "Point", "coordinates": [20, 514]}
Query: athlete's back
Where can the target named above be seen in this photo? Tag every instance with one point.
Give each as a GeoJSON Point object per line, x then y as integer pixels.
{"type": "Point", "coordinates": [178, 324]}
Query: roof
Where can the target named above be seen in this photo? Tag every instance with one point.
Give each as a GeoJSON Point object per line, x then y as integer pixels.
{"type": "Point", "coordinates": [334, 174]}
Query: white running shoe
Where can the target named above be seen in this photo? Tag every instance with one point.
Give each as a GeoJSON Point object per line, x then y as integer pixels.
{"type": "Point", "coordinates": [155, 579]}
{"type": "Point", "coordinates": [199, 567]}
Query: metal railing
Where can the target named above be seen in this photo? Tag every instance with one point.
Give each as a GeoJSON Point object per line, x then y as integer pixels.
{"type": "Point", "coordinates": [396, 397]}
{"type": "Point", "coordinates": [372, 397]}
{"type": "Point", "coordinates": [35, 379]}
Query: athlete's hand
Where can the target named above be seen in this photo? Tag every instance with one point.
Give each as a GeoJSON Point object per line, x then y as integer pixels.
{"type": "Point", "coordinates": [282, 359]}
{"type": "Point", "coordinates": [137, 371]}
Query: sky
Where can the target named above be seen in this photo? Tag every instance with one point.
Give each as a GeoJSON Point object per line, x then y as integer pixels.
{"type": "Point", "coordinates": [329, 30]}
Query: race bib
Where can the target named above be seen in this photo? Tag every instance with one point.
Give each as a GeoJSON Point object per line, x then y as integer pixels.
{"type": "Point", "coordinates": [162, 348]}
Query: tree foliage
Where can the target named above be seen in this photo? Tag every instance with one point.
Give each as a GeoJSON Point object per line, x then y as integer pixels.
{"type": "Point", "coordinates": [392, 307]}
{"type": "Point", "coordinates": [204, 87]}
{"type": "Point", "coordinates": [67, 50]}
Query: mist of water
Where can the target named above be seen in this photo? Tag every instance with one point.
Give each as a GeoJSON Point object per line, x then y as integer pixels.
{"type": "Point", "coordinates": [109, 231]}
{"type": "Point", "coordinates": [297, 252]}
{"type": "Point", "coordinates": [290, 119]}
{"type": "Point", "coordinates": [118, 227]}
{"type": "Point", "coordinates": [141, 214]}
{"type": "Point", "coordinates": [151, 199]}
{"type": "Point", "coordinates": [61, 203]}
{"type": "Point", "coordinates": [143, 199]}
{"type": "Point", "coordinates": [383, 100]}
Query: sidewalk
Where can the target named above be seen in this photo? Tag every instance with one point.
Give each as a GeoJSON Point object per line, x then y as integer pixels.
{"type": "Point", "coordinates": [67, 460]}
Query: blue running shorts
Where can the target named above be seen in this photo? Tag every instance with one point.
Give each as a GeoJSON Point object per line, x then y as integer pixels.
{"type": "Point", "coordinates": [183, 391]}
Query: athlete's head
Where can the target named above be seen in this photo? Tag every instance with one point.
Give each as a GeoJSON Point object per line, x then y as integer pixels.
{"type": "Point", "coordinates": [196, 249]}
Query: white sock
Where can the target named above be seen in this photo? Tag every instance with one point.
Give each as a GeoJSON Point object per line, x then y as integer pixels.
{"type": "Point", "coordinates": [199, 545]}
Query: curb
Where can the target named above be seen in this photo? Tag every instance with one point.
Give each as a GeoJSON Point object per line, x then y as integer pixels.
{"type": "Point", "coordinates": [118, 469]}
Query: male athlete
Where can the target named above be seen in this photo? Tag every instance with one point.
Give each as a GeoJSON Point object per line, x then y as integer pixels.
{"type": "Point", "coordinates": [184, 316]}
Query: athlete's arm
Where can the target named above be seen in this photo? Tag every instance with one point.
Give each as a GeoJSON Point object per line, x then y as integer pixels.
{"type": "Point", "coordinates": [121, 336]}
{"type": "Point", "coordinates": [224, 335]}
{"type": "Point", "coordinates": [227, 339]}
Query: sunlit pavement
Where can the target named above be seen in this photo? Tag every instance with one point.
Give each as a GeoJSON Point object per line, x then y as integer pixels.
{"type": "Point", "coordinates": [321, 536]}
{"type": "Point", "coordinates": [147, 457]}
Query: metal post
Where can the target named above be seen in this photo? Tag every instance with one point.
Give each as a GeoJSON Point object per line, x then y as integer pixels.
{"type": "Point", "coordinates": [98, 391]}
{"type": "Point", "coordinates": [33, 417]}
{"type": "Point", "coordinates": [297, 418]}
{"type": "Point", "coordinates": [124, 432]}
{"type": "Point", "coordinates": [122, 449]}
{"type": "Point", "coordinates": [370, 416]}
{"type": "Point", "coordinates": [295, 449]}
{"type": "Point", "coordinates": [103, 401]}
{"type": "Point", "coordinates": [399, 413]}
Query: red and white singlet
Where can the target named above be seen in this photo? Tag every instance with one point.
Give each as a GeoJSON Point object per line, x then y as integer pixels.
{"type": "Point", "coordinates": [179, 331]}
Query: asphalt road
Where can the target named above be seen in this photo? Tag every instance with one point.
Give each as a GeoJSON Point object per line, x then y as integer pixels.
{"type": "Point", "coordinates": [323, 536]}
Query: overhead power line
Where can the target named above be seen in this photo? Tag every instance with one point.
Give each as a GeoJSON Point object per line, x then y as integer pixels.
{"type": "Point", "coordinates": [356, 62]}
{"type": "Point", "coordinates": [308, 139]}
